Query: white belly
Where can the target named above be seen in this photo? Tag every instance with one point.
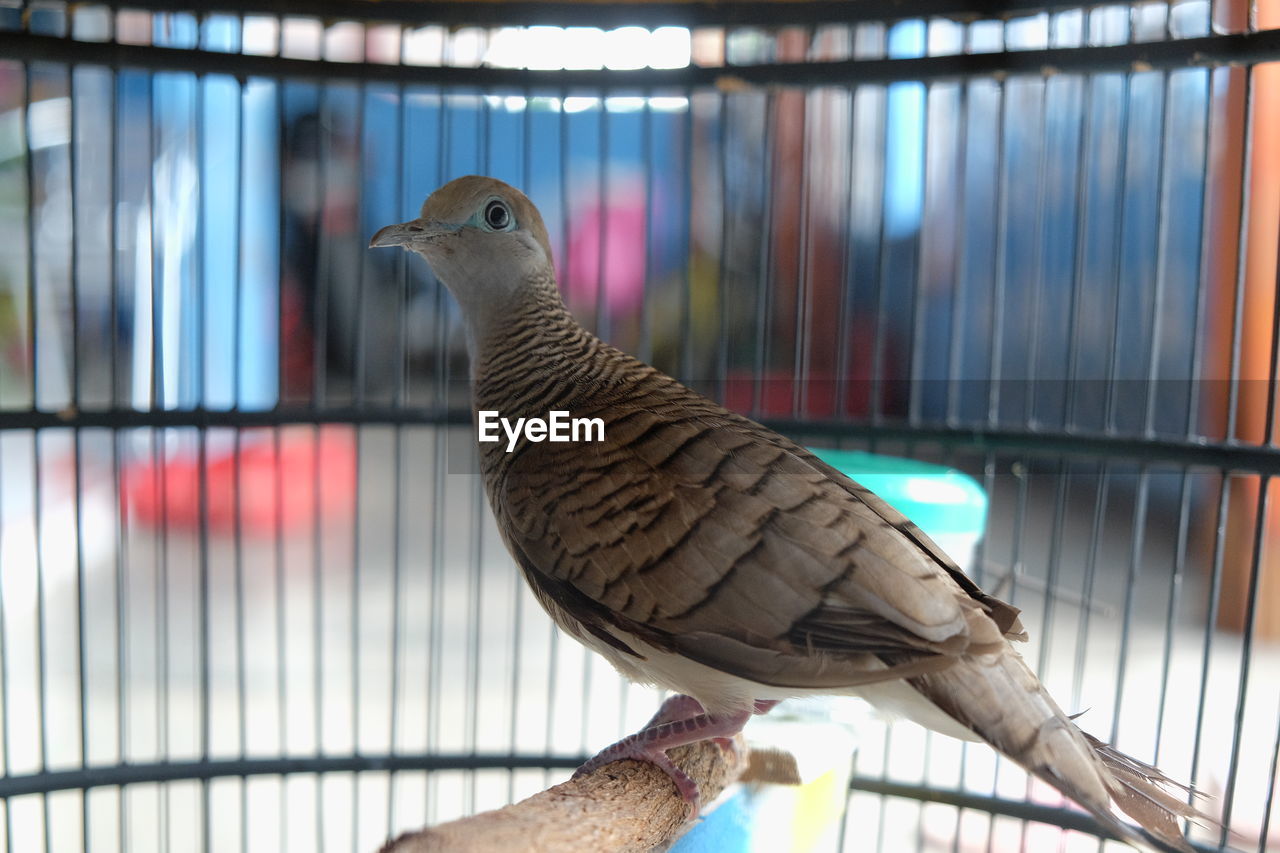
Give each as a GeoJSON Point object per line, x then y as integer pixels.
{"type": "Point", "coordinates": [719, 691]}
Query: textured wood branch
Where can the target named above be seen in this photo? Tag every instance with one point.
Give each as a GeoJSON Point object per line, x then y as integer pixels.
{"type": "Point", "coordinates": [623, 806]}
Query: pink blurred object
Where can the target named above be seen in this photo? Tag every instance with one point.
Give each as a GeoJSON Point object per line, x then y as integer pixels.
{"type": "Point", "coordinates": [301, 485]}
{"type": "Point", "coordinates": [623, 220]}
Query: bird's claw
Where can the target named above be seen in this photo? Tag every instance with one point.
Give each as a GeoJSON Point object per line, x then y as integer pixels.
{"type": "Point", "coordinates": [681, 720]}
{"type": "Point", "coordinates": [632, 748]}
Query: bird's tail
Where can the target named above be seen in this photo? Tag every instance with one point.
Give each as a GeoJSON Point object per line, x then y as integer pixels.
{"type": "Point", "coordinates": [1001, 700]}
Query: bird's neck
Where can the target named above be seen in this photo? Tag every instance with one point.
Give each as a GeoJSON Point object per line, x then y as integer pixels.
{"type": "Point", "coordinates": [529, 329]}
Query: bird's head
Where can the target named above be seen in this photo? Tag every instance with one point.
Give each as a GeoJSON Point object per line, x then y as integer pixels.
{"type": "Point", "coordinates": [482, 237]}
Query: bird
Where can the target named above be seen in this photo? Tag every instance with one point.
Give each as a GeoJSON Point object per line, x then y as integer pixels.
{"type": "Point", "coordinates": [703, 553]}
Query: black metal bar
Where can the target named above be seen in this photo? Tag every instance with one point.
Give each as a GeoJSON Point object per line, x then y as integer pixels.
{"type": "Point", "coordinates": [359, 349]}
{"type": "Point", "coordinates": [204, 620]}
{"type": "Point", "coordinates": [1210, 622]}
{"type": "Point", "coordinates": [1265, 832]}
{"type": "Point", "coordinates": [1261, 523]}
{"type": "Point", "coordinates": [399, 599]}
{"type": "Point", "coordinates": [845, 222]}
{"type": "Point", "coordinates": [923, 239]}
{"type": "Point", "coordinates": [1203, 270]}
{"type": "Point", "coordinates": [999, 256]}
{"type": "Point", "coordinates": [517, 589]}
{"type": "Point", "coordinates": [121, 592]}
{"type": "Point", "coordinates": [720, 361]}
{"type": "Point", "coordinates": [358, 379]}
{"type": "Point", "coordinates": [475, 622]}
{"type": "Point", "coordinates": [1042, 236]}
{"type": "Point", "coordinates": [645, 346]}
{"type": "Point", "coordinates": [875, 399]}
{"type": "Point", "coordinates": [803, 325]}
{"type": "Point", "coordinates": [1099, 519]}
{"type": "Point", "coordinates": [959, 262]}
{"type": "Point", "coordinates": [168, 771]}
{"type": "Point", "coordinates": [29, 174]}
{"type": "Point", "coordinates": [684, 355]}
{"type": "Point", "coordinates": [1057, 816]}
{"type": "Point", "coordinates": [1078, 258]}
{"type": "Point", "coordinates": [1121, 226]}
{"type": "Point", "coordinates": [1242, 258]}
{"type": "Point", "coordinates": [1159, 276]}
{"type": "Point", "coordinates": [773, 13]}
{"type": "Point", "coordinates": [73, 188]}
{"type": "Point", "coordinates": [1137, 538]}
{"type": "Point", "coordinates": [41, 623]}
{"type": "Point", "coordinates": [1223, 456]}
{"type": "Point", "coordinates": [1171, 611]}
{"type": "Point", "coordinates": [763, 301]}
{"type": "Point", "coordinates": [277, 468]}
{"type": "Point", "coordinates": [1206, 51]}
{"type": "Point", "coordinates": [602, 219]}
{"type": "Point", "coordinates": [135, 774]}
{"type": "Point", "coordinates": [6, 753]}
{"type": "Point", "coordinates": [956, 324]}
{"type": "Point", "coordinates": [318, 569]}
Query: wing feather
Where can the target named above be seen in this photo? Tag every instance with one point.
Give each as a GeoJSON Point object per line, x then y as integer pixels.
{"type": "Point", "coordinates": [718, 538]}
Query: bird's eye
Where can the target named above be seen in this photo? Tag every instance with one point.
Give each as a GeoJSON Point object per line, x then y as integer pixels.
{"type": "Point", "coordinates": [497, 216]}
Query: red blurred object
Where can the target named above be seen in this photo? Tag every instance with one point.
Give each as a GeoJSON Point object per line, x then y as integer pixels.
{"type": "Point", "coordinates": [315, 475]}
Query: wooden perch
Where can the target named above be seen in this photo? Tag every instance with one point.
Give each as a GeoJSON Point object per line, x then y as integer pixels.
{"type": "Point", "coordinates": [623, 806]}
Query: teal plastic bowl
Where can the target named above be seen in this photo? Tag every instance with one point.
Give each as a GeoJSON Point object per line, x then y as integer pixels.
{"type": "Point", "coordinates": [945, 503]}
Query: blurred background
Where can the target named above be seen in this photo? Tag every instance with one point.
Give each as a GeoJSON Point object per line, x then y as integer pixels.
{"type": "Point", "coordinates": [250, 594]}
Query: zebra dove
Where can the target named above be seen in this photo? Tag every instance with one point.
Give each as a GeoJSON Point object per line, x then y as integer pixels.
{"type": "Point", "coordinates": [698, 551]}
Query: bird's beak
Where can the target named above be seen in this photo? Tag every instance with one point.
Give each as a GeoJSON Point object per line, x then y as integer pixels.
{"type": "Point", "coordinates": [407, 233]}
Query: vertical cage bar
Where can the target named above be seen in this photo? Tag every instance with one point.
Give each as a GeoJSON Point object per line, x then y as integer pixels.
{"type": "Point", "coordinates": [602, 218]}
{"type": "Point", "coordinates": [1215, 595]}
{"type": "Point", "coordinates": [647, 164]}
{"type": "Point", "coordinates": [6, 709]}
{"type": "Point", "coordinates": [517, 603]}
{"type": "Point", "coordinates": [999, 259]}
{"type": "Point", "coordinates": [204, 629]}
{"type": "Point", "coordinates": [763, 289]}
{"type": "Point", "coordinates": [399, 399]}
{"type": "Point", "coordinates": [959, 266]}
{"type": "Point", "coordinates": [1117, 258]}
{"type": "Point", "coordinates": [875, 400]}
{"type": "Point", "coordinates": [320, 334]}
{"type": "Point", "coordinates": [1078, 259]}
{"type": "Point", "coordinates": [844, 311]}
{"type": "Point", "coordinates": [685, 360]}
{"type": "Point", "coordinates": [1037, 287]}
{"type": "Point", "coordinates": [77, 461]}
{"type": "Point", "coordinates": [1260, 529]}
{"type": "Point", "coordinates": [916, 314]}
{"type": "Point", "coordinates": [1242, 249]}
{"type": "Point", "coordinates": [435, 658]}
{"type": "Point", "coordinates": [800, 355]}
{"type": "Point", "coordinates": [33, 342]}
{"type": "Point", "coordinates": [1246, 651]}
{"type": "Point", "coordinates": [721, 358]}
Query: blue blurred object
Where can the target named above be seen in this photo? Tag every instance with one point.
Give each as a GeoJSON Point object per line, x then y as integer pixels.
{"type": "Point", "coordinates": [947, 504]}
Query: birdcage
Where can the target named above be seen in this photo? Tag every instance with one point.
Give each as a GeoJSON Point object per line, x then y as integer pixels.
{"type": "Point", "coordinates": [250, 594]}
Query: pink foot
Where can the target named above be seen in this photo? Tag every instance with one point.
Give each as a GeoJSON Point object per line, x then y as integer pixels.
{"type": "Point", "coordinates": [681, 720]}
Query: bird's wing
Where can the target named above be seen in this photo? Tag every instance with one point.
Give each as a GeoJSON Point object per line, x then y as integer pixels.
{"type": "Point", "coordinates": [1004, 614]}
{"type": "Point", "coordinates": [709, 535]}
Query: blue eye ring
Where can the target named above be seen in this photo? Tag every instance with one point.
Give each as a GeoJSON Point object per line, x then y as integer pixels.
{"type": "Point", "coordinates": [497, 216]}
